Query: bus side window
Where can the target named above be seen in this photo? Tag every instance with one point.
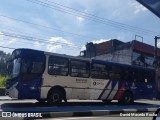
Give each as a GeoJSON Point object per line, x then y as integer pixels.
{"type": "Point", "coordinates": [130, 75]}
{"type": "Point", "coordinates": [116, 73]}
{"type": "Point", "coordinates": [99, 71]}
{"type": "Point", "coordinates": [79, 68]}
{"type": "Point", "coordinates": [58, 66]}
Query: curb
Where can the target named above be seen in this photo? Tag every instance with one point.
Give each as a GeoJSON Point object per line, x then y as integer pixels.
{"type": "Point", "coordinates": [117, 113]}
{"type": "Point", "coordinates": [95, 113]}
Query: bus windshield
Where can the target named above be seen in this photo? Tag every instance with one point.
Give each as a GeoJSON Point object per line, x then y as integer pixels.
{"type": "Point", "coordinates": [13, 67]}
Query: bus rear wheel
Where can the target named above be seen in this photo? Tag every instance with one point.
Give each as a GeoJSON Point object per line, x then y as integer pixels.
{"type": "Point", "coordinates": [127, 98]}
{"type": "Point", "coordinates": [55, 97]}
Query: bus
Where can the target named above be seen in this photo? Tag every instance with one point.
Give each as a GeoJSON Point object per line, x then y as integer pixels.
{"type": "Point", "coordinates": [54, 78]}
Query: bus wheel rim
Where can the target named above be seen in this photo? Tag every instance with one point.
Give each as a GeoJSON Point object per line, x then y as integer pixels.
{"type": "Point", "coordinates": [55, 97]}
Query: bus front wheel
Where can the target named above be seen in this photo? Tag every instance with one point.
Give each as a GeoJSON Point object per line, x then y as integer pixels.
{"type": "Point", "coordinates": [127, 98]}
{"type": "Point", "coordinates": [55, 96]}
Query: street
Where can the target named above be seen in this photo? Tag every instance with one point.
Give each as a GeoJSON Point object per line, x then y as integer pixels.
{"type": "Point", "coordinates": [80, 109]}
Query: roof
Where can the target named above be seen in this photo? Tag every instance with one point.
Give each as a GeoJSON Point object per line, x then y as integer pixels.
{"type": "Point", "coordinates": [152, 5]}
{"type": "Point", "coordinates": [145, 48]}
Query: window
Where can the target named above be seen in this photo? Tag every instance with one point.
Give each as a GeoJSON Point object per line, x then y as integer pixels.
{"type": "Point", "coordinates": [79, 68]}
{"type": "Point", "coordinates": [99, 71]}
{"type": "Point", "coordinates": [16, 67]}
{"type": "Point", "coordinates": [32, 66]}
{"type": "Point", "coordinates": [130, 74]}
{"type": "Point", "coordinates": [58, 66]}
{"type": "Point", "coordinates": [37, 67]}
{"type": "Point", "coordinates": [115, 73]}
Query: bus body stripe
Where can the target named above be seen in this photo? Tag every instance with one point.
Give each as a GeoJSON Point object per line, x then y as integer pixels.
{"type": "Point", "coordinates": [112, 91]}
{"type": "Point", "coordinates": [104, 89]}
{"type": "Point", "coordinates": [107, 91]}
{"type": "Point", "coordinates": [120, 92]}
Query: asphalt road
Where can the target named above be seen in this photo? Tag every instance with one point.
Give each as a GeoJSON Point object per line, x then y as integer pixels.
{"type": "Point", "coordinates": [72, 105]}
{"type": "Point", "coordinates": [101, 118]}
{"type": "Point", "coordinates": [32, 106]}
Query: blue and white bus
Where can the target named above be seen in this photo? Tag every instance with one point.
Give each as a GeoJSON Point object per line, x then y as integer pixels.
{"type": "Point", "coordinates": [54, 77]}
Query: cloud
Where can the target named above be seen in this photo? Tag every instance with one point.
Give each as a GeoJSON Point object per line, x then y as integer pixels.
{"type": "Point", "coordinates": [53, 48]}
{"type": "Point", "coordinates": [38, 45]}
{"type": "Point", "coordinates": [80, 19]}
{"type": "Point", "coordinates": [100, 41]}
{"type": "Point", "coordinates": [83, 47]}
{"type": "Point", "coordinates": [95, 42]}
{"type": "Point", "coordinates": [56, 43]}
{"type": "Point", "coordinates": [1, 33]}
{"type": "Point", "coordinates": [11, 41]}
{"type": "Point", "coordinates": [60, 40]}
{"type": "Point", "coordinates": [138, 8]}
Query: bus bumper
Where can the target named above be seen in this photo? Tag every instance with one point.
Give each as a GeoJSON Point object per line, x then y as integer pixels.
{"type": "Point", "coordinates": [12, 91]}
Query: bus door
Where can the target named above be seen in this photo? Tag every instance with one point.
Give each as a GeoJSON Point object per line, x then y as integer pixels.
{"type": "Point", "coordinates": [146, 84]}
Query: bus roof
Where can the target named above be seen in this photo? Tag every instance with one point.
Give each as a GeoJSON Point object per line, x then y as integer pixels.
{"type": "Point", "coordinates": [27, 50]}
{"type": "Point", "coordinates": [122, 65]}
{"type": "Point", "coordinates": [81, 58]}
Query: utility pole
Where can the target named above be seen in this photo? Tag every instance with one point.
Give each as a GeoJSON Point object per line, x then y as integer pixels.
{"type": "Point", "coordinates": [155, 51]}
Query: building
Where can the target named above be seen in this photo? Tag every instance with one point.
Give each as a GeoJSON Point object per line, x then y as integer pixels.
{"type": "Point", "coordinates": [133, 52]}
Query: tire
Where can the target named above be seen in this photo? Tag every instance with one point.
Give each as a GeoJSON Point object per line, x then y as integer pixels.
{"type": "Point", "coordinates": [41, 100]}
{"type": "Point", "coordinates": [107, 101]}
{"type": "Point", "coordinates": [55, 96]}
{"type": "Point", "coordinates": [127, 98]}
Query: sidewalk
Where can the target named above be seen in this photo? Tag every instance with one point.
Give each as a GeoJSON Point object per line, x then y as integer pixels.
{"type": "Point", "coordinates": [5, 98]}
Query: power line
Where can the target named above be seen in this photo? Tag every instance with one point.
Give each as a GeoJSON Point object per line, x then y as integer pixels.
{"type": "Point", "coordinates": [97, 16]}
{"type": "Point", "coordinates": [7, 47]}
{"type": "Point", "coordinates": [45, 43]}
{"type": "Point", "coordinates": [94, 18]}
{"type": "Point", "coordinates": [84, 36]}
{"type": "Point", "coordinates": [29, 38]}
{"type": "Point", "coordinates": [20, 31]}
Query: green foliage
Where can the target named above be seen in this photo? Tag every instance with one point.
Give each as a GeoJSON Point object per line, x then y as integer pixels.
{"type": "Point", "coordinates": [3, 60]}
{"type": "Point", "coordinates": [2, 81]}
{"type": "Point", "coordinates": [4, 57]}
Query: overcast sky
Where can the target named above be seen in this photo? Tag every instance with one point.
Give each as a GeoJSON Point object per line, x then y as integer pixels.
{"type": "Point", "coordinates": [65, 26]}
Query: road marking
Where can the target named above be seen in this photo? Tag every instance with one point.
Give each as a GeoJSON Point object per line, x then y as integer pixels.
{"type": "Point", "coordinates": [74, 118]}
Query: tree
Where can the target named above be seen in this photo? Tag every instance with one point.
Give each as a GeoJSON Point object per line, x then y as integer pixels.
{"type": "Point", "coordinates": [3, 61]}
